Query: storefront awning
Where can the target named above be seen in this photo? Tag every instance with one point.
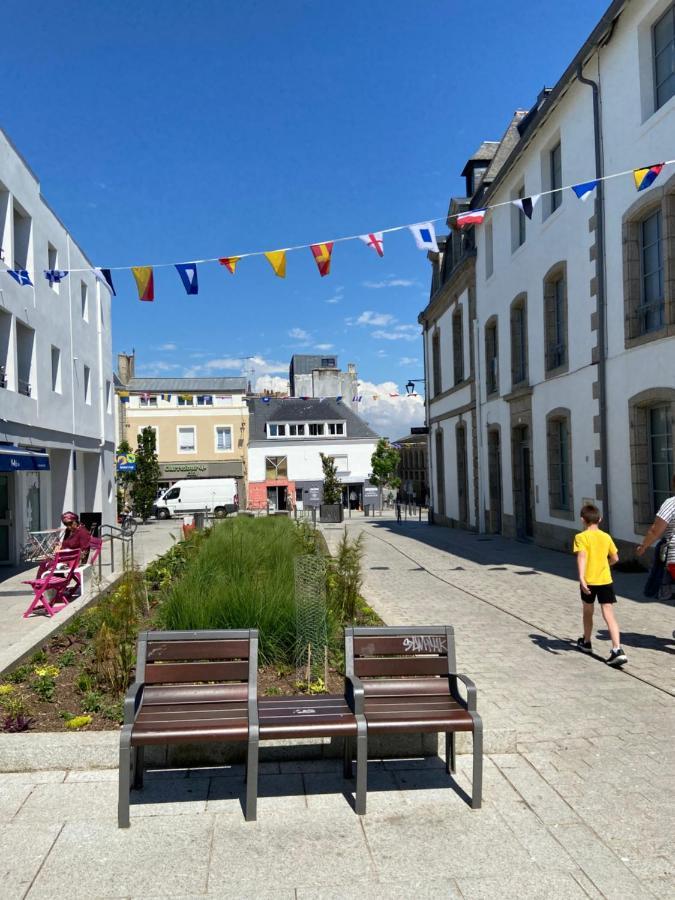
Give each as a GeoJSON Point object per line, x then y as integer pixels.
{"type": "Point", "coordinates": [18, 459]}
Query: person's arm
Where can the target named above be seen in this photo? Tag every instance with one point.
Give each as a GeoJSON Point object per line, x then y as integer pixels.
{"type": "Point", "coordinates": [613, 559]}
{"type": "Point", "coordinates": [656, 531]}
{"type": "Point", "coordinates": [582, 559]}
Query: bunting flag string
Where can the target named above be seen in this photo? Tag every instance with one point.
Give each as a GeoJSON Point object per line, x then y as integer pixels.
{"type": "Point", "coordinates": [424, 234]}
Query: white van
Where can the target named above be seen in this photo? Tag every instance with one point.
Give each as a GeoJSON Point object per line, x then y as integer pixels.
{"type": "Point", "coordinates": [214, 495]}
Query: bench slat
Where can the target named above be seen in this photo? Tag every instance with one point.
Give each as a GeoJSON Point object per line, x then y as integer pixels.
{"type": "Point", "coordinates": [209, 650]}
{"type": "Point", "coordinates": [169, 673]}
{"type": "Point", "coordinates": [403, 645]}
{"type": "Point", "coordinates": [416, 665]}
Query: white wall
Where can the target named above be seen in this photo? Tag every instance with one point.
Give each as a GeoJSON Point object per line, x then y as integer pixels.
{"type": "Point", "coordinates": [304, 460]}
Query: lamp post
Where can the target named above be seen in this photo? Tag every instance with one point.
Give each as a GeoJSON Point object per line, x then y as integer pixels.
{"type": "Point", "coordinates": [410, 386]}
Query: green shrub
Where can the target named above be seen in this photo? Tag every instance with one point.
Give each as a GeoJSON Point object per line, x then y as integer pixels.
{"type": "Point", "coordinates": [241, 577]}
{"type": "Point", "coordinates": [66, 659]}
{"type": "Point", "coordinates": [93, 701]}
{"type": "Point", "coordinates": [20, 674]}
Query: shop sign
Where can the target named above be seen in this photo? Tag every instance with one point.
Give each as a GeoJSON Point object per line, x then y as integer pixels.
{"type": "Point", "coordinates": [126, 462]}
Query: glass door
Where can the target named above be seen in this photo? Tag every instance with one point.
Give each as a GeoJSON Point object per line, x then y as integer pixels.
{"type": "Point", "coordinates": [5, 521]}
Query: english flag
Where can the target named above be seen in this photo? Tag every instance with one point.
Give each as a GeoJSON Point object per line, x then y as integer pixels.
{"type": "Point", "coordinates": [375, 240]}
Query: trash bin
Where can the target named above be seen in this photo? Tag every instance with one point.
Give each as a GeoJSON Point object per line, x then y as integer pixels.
{"type": "Point", "coordinates": [188, 525]}
{"type": "Point", "coordinates": [199, 520]}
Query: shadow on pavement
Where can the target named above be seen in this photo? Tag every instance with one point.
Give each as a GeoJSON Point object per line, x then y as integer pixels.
{"type": "Point", "coordinates": [643, 641]}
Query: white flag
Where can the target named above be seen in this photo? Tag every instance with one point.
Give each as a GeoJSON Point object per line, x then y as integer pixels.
{"type": "Point", "coordinates": [425, 236]}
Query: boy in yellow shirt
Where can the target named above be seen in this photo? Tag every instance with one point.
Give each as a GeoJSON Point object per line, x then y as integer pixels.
{"type": "Point", "coordinates": [596, 552]}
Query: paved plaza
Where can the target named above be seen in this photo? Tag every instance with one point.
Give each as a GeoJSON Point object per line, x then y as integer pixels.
{"type": "Point", "coordinates": [579, 774]}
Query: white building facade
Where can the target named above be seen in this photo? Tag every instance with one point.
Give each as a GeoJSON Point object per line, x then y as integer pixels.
{"type": "Point", "coordinates": [56, 381]}
{"type": "Point", "coordinates": [574, 331]}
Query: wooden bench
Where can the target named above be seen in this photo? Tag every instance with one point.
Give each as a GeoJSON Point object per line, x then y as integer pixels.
{"type": "Point", "coordinates": [190, 687]}
{"type": "Point", "coordinates": [406, 681]}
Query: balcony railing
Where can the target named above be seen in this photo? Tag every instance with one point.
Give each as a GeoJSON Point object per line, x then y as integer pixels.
{"type": "Point", "coordinates": [24, 387]}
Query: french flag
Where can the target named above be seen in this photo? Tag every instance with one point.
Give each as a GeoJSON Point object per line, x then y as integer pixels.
{"type": "Point", "coordinates": [473, 217]}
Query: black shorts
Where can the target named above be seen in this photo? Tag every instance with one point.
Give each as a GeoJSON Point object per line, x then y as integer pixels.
{"type": "Point", "coordinates": [604, 593]}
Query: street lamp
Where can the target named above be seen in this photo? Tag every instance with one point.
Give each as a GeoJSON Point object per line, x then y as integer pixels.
{"type": "Point", "coordinates": [410, 386]}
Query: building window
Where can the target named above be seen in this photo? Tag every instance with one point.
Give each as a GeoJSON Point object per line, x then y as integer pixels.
{"type": "Point", "coordinates": [84, 297]}
{"type": "Point", "coordinates": [223, 438]}
{"type": "Point", "coordinates": [491, 356]}
{"type": "Point", "coordinates": [25, 348]}
{"type": "Point", "coordinates": [328, 362]}
{"type": "Point", "coordinates": [187, 442]}
{"type": "Point", "coordinates": [108, 397]}
{"type": "Point", "coordinates": [53, 263]}
{"type": "Point", "coordinates": [296, 430]}
{"type": "Point", "coordinates": [660, 454]}
{"type": "Point", "coordinates": [276, 468]}
{"type": "Point", "coordinates": [22, 230]}
{"type": "Point", "coordinates": [440, 474]}
{"type": "Point", "coordinates": [205, 400]}
{"type": "Point", "coordinates": [185, 400]}
{"type": "Point", "coordinates": [651, 309]}
{"type": "Point", "coordinates": [336, 428]}
{"type": "Point", "coordinates": [436, 361]}
{"type": "Point", "coordinates": [316, 429]}
{"type": "Point", "coordinates": [559, 462]}
{"type": "Point", "coordinates": [555, 177]}
{"type": "Point", "coordinates": [489, 251]}
{"type": "Point", "coordinates": [517, 221]}
{"type": "Point", "coordinates": [87, 384]}
{"type": "Point", "coordinates": [56, 370]}
{"type": "Point", "coordinates": [664, 57]}
{"type": "Point", "coordinates": [457, 345]}
{"type": "Point", "coordinates": [341, 464]}
{"type": "Point", "coordinates": [147, 400]}
{"type": "Point", "coordinates": [519, 341]}
{"type": "Point", "coordinates": [555, 318]}
{"type": "Point", "coordinates": [462, 475]}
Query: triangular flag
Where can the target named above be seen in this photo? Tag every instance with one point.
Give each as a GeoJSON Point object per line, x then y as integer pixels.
{"type": "Point", "coordinates": [425, 236]}
{"type": "Point", "coordinates": [55, 276]}
{"type": "Point", "coordinates": [374, 240]}
{"type": "Point", "coordinates": [322, 254]}
{"type": "Point", "coordinates": [188, 275]}
{"type": "Point", "coordinates": [104, 276]}
{"type": "Point", "coordinates": [21, 276]}
{"type": "Point", "coordinates": [526, 204]}
{"type": "Point", "coordinates": [647, 176]}
{"type": "Point", "coordinates": [472, 217]}
{"type": "Point", "coordinates": [584, 190]}
{"type": "Point", "coordinates": [230, 262]}
{"type": "Point", "coordinates": [144, 282]}
{"type": "Point", "coordinates": [277, 259]}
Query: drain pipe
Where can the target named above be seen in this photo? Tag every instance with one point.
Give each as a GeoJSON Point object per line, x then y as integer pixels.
{"type": "Point", "coordinates": [601, 295]}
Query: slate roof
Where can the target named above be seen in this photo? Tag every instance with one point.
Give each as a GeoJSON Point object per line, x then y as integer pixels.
{"type": "Point", "coordinates": [485, 153]}
{"type": "Point", "coordinates": [185, 385]}
{"type": "Point", "coordinates": [506, 145]}
{"type": "Point", "coordinates": [295, 409]}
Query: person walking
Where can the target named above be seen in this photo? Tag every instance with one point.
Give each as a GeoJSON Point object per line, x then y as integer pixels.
{"type": "Point", "coordinates": [663, 529]}
{"type": "Point", "coordinates": [596, 552]}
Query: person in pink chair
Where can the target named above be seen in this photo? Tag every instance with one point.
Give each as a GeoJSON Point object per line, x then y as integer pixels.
{"type": "Point", "coordinates": [77, 537]}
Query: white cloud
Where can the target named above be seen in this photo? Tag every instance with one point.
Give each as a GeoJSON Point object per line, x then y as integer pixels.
{"type": "Point", "coordinates": [389, 416]}
{"type": "Point", "coordinates": [299, 334]}
{"type": "Point", "coordinates": [408, 361]}
{"type": "Point", "coordinates": [389, 282]}
{"type": "Point", "coordinates": [337, 296]}
{"type": "Point", "coordinates": [382, 353]}
{"type": "Point", "coordinates": [372, 318]}
{"type": "Point", "coordinates": [324, 346]}
{"type": "Point", "coordinates": [151, 369]}
{"type": "Point", "coordinates": [168, 347]}
{"type": "Point", "coordinates": [399, 333]}
{"type": "Point", "coordinates": [237, 364]}
{"type": "Point", "coordinates": [273, 383]}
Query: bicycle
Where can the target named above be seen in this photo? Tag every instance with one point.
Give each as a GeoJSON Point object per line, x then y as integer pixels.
{"type": "Point", "coordinates": [128, 524]}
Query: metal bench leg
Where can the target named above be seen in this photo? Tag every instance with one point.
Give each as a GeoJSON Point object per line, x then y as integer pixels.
{"type": "Point", "coordinates": [348, 771]}
{"type": "Point", "coordinates": [450, 753]}
{"type": "Point", "coordinates": [477, 791]}
{"type": "Point", "coordinates": [124, 778]}
{"type": "Point", "coordinates": [361, 768]}
{"type": "Point", "coordinates": [139, 757]}
{"type": "Point", "coordinates": [252, 781]}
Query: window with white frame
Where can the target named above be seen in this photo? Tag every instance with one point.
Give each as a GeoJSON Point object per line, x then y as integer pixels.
{"type": "Point", "coordinates": [297, 430]}
{"type": "Point", "coordinates": [518, 232]}
{"type": "Point", "coordinates": [56, 370]}
{"type": "Point", "coordinates": [489, 251]}
{"type": "Point", "coordinates": [341, 464]}
{"type": "Point", "coordinates": [555, 177]}
{"type": "Point", "coordinates": [316, 429]}
{"type": "Point", "coordinates": [336, 428]}
{"type": "Point", "coordinates": [185, 400]}
{"type": "Point", "coordinates": [148, 400]}
{"type": "Point", "coordinates": [663, 48]}
{"type": "Point", "coordinates": [275, 430]}
{"type": "Point", "coordinates": [84, 299]}
{"type": "Point", "coordinates": [205, 400]}
{"type": "Point", "coordinates": [108, 397]}
{"type": "Point", "coordinates": [223, 438]}
{"type": "Point", "coordinates": [187, 440]}
{"type": "Point", "coordinates": [87, 385]}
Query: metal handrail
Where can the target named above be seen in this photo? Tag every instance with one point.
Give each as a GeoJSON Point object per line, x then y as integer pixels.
{"type": "Point", "coordinates": [116, 534]}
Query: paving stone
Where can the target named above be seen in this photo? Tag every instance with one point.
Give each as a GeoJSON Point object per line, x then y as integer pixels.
{"type": "Point", "coordinates": [13, 795]}
{"type": "Point", "coordinates": [277, 795]}
{"type": "Point", "coordinates": [22, 852]}
{"type": "Point", "coordinates": [532, 885]}
{"type": "Point", "coordinates": [421, 890]}
{"type": "Point", "coordinates": [163, 855]}
{"type": "Point", "coordinates": [48, 775]}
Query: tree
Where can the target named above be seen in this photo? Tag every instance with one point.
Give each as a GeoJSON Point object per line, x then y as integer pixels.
{"type": "Point", "coordinates": [144, 488]}
{"type": "Point", "coordinates": [332, 487]}
{"type": "Point", "coordinates": [385, 462]}
{"type": "Point", "coordinates": [125, 479]}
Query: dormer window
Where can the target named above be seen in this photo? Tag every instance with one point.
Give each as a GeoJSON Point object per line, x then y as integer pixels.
{"type": "Point", "coordinates": [276, 430]}
{"type": "Point", "coordinates": [336, 428]}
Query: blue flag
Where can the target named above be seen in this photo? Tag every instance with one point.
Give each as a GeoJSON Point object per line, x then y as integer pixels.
{"type": "Point", "coordinates": [55, 276]}
{"type": "Point", "coordinates": [583, 190]}
{"type": "Point", "coordinates": [188, 275]}
{"type": "Point", "coordinates": [20, 275]}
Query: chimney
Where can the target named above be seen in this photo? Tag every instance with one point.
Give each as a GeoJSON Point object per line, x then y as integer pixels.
{"type": "Point", "coordinates": [126, 363]}
{"type": "Point", "coordinates": [351, 368]}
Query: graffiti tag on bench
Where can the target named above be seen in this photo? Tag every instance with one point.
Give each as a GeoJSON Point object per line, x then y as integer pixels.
{"type": "Point", "coordinates": [425, 643]}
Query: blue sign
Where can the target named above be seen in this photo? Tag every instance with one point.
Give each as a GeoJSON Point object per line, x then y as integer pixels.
{"type": "Point", "coordinates": [23, 461]}
{"type": "Point", "coordinates": [126, 462]}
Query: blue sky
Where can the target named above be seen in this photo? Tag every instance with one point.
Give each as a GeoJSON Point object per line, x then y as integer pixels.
{"type": "Point", "coordinates": [165, 132]}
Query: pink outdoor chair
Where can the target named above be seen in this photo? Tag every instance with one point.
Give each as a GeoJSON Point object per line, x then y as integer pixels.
{"type": "Point", "coordinates": [95, 547]}
{"type": "Point", "coordinates": [56, 576]}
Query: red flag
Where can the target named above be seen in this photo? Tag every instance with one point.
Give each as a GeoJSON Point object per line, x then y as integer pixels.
{"type": "Point", "coordinates": [230, 262]}
{"type": "Point", "coordinates": [322, 254]}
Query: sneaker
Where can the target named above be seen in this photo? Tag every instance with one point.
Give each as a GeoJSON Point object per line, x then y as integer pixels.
{"type": "Point", "coordinates": [584, 646]}
{"type": "Point", "coordinates": [617, 658]}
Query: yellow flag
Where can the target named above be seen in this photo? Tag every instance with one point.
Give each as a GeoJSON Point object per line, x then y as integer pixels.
{"type": "Point", "coordinates": [144, 282]}
{"type": "Point", "coordinates": [277, 259]}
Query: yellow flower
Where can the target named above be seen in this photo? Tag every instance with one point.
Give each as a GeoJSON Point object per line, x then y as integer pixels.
{"type": "Point", "coordinates": [46, 671]}
{"type": "Point", "coordinates": [78, 722]}
{"type": "Point", "coordinates": [6, 689]}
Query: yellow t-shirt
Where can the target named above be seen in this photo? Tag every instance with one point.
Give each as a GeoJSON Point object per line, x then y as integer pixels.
{"type": "Point", "coordinates": [598, 546]}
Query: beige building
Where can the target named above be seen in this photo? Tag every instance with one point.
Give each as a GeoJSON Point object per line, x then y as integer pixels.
{"type": "Point", "coordinates": [201, 424]}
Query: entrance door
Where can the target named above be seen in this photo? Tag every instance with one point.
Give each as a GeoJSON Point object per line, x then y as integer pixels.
{"type": "Point", "coordinates": [522, 482]}
{"type": "Point", "coordinates": [495, 481]}
{"type": "Point", "coordinates": [5, 521]}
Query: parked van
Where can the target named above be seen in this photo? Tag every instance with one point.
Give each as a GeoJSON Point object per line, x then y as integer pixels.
{"type": "Point", "coordinates": [216, 495]}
